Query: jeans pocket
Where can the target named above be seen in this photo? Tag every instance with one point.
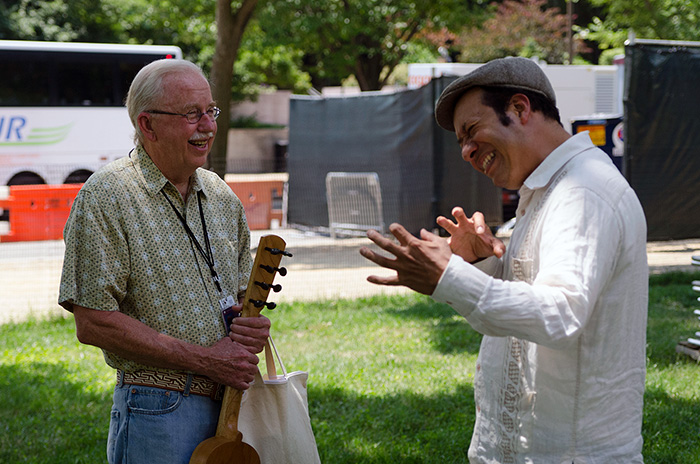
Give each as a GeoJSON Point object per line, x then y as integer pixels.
{"type": "Point", "coordinates": [148, 401]}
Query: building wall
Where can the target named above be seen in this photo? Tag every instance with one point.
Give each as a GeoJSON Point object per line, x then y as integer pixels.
{"type": "Point", "coordinates": [270, 108]}
{"type": "Point", "coordinates": [252, 151]}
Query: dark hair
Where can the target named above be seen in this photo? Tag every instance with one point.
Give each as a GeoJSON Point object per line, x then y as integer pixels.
{"type": "Point", "coordinates": [498, 98]}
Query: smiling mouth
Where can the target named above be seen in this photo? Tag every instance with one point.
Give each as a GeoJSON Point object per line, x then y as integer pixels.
{"type": "Point", "coordinates": [199, 143]}
{"type": "Point", "coordinates": [201, 140]}
{"type": "Point", "coordinates": [487, 161]}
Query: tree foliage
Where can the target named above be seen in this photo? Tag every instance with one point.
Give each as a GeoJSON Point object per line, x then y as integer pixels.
{"type": "Point", "coordinates": [365, 38]}
{"type": "Point", "coordinates": [522, 28]}
{"type": "Point", "coordinates": [265, 65]}
{"type": "Point", "coordinates": [189, 25]}
{"type": "Point", "coordinates": [59, 20]}
{"type": "Point", "coordinates": [652, 19]}
{"type": "Point", "coordinates": [648, 19]}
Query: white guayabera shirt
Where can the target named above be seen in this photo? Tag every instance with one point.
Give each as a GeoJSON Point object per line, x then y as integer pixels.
{"type": "Point", "coordinates": [560, 372]}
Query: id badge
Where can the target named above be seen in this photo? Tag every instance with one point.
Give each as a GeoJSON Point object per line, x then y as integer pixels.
{"type": "Point", "coordinates": [227, 312]}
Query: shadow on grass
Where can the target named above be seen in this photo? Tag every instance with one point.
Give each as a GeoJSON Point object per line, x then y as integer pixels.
{"type": "Point", "coordinates": [47, 418]}
{"type": "Point", "coordinates": [671, 317]}
{"type": "Point", "coordinates": [670, 429]}
{"type": "Point", "coordinates": [450, 333]}
{"type": "Point", "coordinates": [404, 428]}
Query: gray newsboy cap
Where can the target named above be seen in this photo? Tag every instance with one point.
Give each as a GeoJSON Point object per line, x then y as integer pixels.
{"type": "Point", "coordinates": [516, 72]}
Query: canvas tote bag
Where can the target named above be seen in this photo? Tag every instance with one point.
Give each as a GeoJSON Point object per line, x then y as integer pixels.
{"type": "Point", "coordinates": [274, 415]}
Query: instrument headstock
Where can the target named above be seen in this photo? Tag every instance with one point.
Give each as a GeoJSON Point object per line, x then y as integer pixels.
{"type": "Point", "coordinates": [271, 249]}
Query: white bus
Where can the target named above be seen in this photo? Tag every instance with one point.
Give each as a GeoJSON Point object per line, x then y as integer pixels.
{"type": "Point", "coordinates": [62, 113]}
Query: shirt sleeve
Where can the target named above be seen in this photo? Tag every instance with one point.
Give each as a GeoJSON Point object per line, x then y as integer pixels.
{"type": "Point", "coordinates": [575, 254]}
{"type": "Point", "coordinates": [96, 263]}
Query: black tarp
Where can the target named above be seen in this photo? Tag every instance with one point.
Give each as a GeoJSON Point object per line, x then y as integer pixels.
{"type": "Point", "coordinates": [420, 168]}
{"type": "Point", "coordinates": [662, 135]}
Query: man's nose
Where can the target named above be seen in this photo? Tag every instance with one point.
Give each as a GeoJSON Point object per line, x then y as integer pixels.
{"type": "Point", "coordinates": [207, 123]}
{"type": "Point", "coordinates": [468, 150]}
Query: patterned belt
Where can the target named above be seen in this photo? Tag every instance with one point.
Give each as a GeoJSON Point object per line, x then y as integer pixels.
{"type": "Point", "coordinates": [199, 385]}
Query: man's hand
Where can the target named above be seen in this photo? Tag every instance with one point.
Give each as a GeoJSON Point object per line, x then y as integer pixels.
{"type": "Point", "coordinates": [251, 332]}
{"type": "Point", "coordinates": [230, 363]}
{"type": "Point", "coordinates": [470, 238]}
{"type": "Point", "coordinates": [418, 262]}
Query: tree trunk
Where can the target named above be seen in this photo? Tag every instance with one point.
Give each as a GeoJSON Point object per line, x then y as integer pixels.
{"type": "Point", "coordinates": [368, 72]}
{"type": "Point", "coordinates": [230, 25]}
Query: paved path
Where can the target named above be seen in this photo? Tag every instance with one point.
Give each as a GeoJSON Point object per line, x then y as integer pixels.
{"type": "Point", "coordinates": [321, 268]}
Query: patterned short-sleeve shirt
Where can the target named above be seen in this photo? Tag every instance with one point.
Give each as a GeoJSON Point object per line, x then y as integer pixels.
{"type": "Point", "coordinates": [126, 250]}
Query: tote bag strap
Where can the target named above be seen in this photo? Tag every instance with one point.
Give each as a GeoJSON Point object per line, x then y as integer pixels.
{"type": "Point", "coordinates": [270, 360]}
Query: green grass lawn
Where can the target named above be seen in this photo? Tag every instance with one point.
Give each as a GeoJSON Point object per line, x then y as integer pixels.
{"type": "Point", "coordinates": [390, 381]}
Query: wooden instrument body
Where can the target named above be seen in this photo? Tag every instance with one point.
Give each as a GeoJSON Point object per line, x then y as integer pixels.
{"type": "Point", "coordinates": [227, 446]}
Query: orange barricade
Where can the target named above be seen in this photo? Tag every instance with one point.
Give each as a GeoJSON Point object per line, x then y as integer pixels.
{"type": "Point", "coordinates": [262, 196]}
{"type": "Point", "coordinates": [38, 212]}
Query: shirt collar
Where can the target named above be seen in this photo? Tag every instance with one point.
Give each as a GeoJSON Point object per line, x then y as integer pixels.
{"type": "Point", "coordinates": [561, 155]}
{"type": "Point", "coordinates": [152, 176]}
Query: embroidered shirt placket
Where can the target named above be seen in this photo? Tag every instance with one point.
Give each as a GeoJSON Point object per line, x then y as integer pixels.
{"type": "Point", "coordinates": [517, 360]}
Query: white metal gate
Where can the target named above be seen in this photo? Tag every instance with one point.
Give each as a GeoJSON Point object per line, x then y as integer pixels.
{"type": "Point", "coordinates": [354, 202]}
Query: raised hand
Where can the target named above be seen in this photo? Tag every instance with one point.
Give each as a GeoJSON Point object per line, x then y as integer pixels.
{"type": "Point", "coordinates": [418, 262]}
{"type": "Point", "coordinates": [470, 238]}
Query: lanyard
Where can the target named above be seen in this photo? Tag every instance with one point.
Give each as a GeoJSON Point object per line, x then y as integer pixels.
{"type": "Point", "coordinates": [208, 255]}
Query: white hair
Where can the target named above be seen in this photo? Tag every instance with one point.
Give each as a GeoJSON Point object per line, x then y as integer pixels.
{"type": "Point", "coordinates": [146, 90]}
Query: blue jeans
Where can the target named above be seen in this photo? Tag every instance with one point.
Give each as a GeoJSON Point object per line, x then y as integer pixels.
{"type": "Point", "coordinates": [156, 426]}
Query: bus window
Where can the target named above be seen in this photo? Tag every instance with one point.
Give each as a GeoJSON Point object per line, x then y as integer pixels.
{"type": "Point", "coordinates": [83, 79]}
{"type": "Point", "coordinates": [24, 80]}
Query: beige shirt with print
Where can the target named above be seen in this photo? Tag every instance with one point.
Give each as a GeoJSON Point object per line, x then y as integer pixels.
{"type": "Point", "coordinates": [126, 250]}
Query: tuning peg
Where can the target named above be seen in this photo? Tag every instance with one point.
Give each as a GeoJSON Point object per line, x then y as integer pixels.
{"type": "Point", "coordinates": [277, 251]}
{"type": "Point", "coordinates": [280, 270]}
{"type": "Point", "coordinates": [265, 286]}
{"type": "Point", "coordinates": [260, 304]}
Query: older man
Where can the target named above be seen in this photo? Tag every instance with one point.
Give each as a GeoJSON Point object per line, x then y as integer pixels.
{"type": "Point", "coordinates": [156, 248]}
{"type": "Point", "coordinates": [560, 372]}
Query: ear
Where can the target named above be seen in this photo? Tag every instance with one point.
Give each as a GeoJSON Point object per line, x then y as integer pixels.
{"type": "Point", "coordinates": [520, 105]}
{"type": "Point", "coordinates": [144, 122]}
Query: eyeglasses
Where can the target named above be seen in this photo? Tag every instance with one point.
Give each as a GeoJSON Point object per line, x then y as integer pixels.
{"type": "Point", "coordinates": [193, 116]}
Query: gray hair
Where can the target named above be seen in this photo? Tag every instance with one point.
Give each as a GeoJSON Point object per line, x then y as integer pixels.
{"type": "Point", "coordinates": [146, 90]}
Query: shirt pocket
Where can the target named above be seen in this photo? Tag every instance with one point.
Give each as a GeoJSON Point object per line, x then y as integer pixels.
{"type": "Point", "coordinates": [523, 269]}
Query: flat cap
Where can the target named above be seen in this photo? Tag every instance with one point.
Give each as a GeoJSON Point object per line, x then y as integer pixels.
{"type": "Point", "coordinates": [516, 72]}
